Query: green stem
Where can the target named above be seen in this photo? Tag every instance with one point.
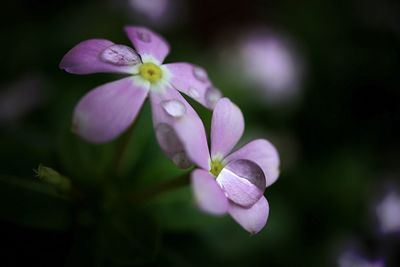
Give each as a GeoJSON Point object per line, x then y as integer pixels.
{"type": "Point", "coordinates": [160, 188]}
{"type": "Point", "coordinates": [122, 150]}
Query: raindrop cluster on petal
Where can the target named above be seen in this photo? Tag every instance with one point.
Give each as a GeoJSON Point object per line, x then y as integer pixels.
{"type": "Point", "coordinates": [108, 110]}
{"type": "Point", "coordinates": [193, 81]}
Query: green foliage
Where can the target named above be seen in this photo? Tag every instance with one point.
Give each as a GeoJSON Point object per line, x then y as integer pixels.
{"type": "Point", "coordinates": [32, 203]}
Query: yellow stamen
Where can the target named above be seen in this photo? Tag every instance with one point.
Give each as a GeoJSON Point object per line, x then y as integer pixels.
{"type": "Point", "coordinates": [216, 167]}
{"type": "Point", "coordinates": [150, 72]}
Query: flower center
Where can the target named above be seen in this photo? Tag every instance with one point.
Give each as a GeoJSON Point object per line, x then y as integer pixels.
{"type": "Point", "coordinates": [216, 167]}
{"type": "Point", "coordinates": [150, 72]}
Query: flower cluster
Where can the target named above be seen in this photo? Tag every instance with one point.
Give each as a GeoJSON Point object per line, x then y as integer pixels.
{"type": "Point", "coordinates": [223, 183]}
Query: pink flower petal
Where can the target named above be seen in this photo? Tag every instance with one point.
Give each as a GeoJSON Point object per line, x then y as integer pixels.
{"type": "Point", "coordinates": [252, 219]}
{"type": "Point", "coordinates": [148, 42]}
{"type": "Point", "coordinates": [193, 81]}
{"type": "Point", "coordinates": [227, 127]}
{"type": "Point", "coordinates": [243, 182]}
{"type": "Point", "coordinates": [208, 194]}
{"type": "Point", "coordinates": [264, 154]}
{"type": "Point", "coordinates": [179, 130]}
{"type": "Point", "coordinates": [99, 55]}
{"type": "Point", "coordinates": [106, 111]}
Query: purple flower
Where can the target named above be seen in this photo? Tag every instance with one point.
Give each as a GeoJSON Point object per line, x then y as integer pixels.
{"type": "Point", "coordinates": [268, 62]}
{"type": "Point", "coordinates": [22, 97]}
{"type": "Point", "coordinates": [105, 112]}
{"type": "Point", "coordinates": [233, 183]}
{"type": "Point", "coordinates": [157, 13]}
{"type": "Point", "coordinates": [352, 258]}
{"type": "Point", "coordinates": [388, 213]}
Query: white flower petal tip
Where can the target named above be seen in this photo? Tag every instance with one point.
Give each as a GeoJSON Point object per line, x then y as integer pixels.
{"type": "Point", "coordinates": [193, 81]}
{"type": "Point", "coordinates": [146, 41]}
{"type": "Point", "coordinates": [108, 110]}
{"type": "Point", "coordinates": [99, 55]}
{"type": "Point", "coordinates": [252, 219]}
{"type": "Point", "coordinates": [264, 154]}
{"type": "Point", "coordinates": [179, 128]}
{"type": "Point", "coordinates": [227, 127]}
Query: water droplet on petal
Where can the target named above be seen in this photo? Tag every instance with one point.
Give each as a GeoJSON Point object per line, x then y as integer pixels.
{"type": "Point", "coordinates": [171, 145]}
{"type": "Point", "coordinates": [200, 74]}
{"type": "Point", "coordinates": [181, 160]}
{"type": "Point", "coordinates": [243, 182]}
{"type": "Point", "coordinates": [249, 170]}
{"type": "Point", "coordinates": [212, 96]}
{"type": "Point", "coordinates": [120, 55]}
{"type": "Point", "coordinates": [144, 36]}
{"type": "Point", "coordinates": [193, 92]}
{"type": "Point", "coordinates": [174, 108]}
{"type": "Point", "coordinates": [168, 139]}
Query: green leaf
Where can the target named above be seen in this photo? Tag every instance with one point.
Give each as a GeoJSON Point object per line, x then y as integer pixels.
{"type": "Point", "coordinates": [31, 203]}
{"type": "Point", "coordinates": [86, 162]}
{"type": "Point", "coordinates": [125, 238]}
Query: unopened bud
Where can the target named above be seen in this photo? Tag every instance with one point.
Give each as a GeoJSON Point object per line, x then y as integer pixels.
{"type": "Point", "coordinates": [53, 178]}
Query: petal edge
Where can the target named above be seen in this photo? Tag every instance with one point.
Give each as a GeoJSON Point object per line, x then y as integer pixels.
{"type": "Point", "coordinates": [227, 127]}
{"type": "Point", "coordinates": [85, 58]}
{"type": "Point", "coordinates": [108, 110]}
{"type": "Point", "coordinates": [209, 196]}
{"type": "Point", "coordinates": [148, 42]}
{"type": "Point", "coordinates": [252, 219]}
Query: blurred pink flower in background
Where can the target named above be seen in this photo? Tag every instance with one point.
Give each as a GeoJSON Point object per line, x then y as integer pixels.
{"type": "Point", "coordinates": [267, 62]}
{"type": "Point", "coordinates": [388, 213]}
{"type": "Point", "coordinates": [21, 97]}
{"type": "Point", "coordinates": [157, 13]}
{"type": "Point", "coordinates": [351, 258]}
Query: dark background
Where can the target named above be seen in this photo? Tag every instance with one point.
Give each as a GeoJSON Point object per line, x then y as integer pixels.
{"type": "Point", "coordinates": [339, 143]}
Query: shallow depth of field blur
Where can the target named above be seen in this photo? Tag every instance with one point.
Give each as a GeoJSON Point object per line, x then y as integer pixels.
{"type": "Point", "coordinates": [319, 79]}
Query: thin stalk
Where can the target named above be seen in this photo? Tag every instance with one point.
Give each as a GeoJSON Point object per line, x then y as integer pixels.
{"type": "Point", "coordinates": [160, 188]}
{"type": "Point", "coordinates": [122, 148]}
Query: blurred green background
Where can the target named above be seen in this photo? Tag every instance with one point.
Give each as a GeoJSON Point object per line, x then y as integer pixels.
{"type": "Point", "coordinates": [338, 139]}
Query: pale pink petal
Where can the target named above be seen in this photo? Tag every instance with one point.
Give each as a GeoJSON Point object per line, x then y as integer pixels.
{"type": "Point", "coordinates": [227, 127]}
{"type": "Point", "coordinates": [209, 196]}
{"type": "Point", "coordinates": [179, 130]}
{"type": "Point", "coordinates": [193, 81]}
{"type": "Point", "coordinates": [147, 42]}
{"type": "Point", "coordinates": [243, 182]}
{"type": "Point", "coordinates": [252, 219]}
{"type": "Point", "coordinates": [106, 111]}
{"type": "Point", "coordinates": [99, 55]}
{"type": "Point", "coordinates": [264, 154]}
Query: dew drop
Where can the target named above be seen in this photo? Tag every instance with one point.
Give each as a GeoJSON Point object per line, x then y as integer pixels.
{"type": "Point", "coordinates": [171, 145]}
{"type": "Point", "coordinates": [168, 139]}
{"type": "Point", "coordinates": [174, 108]}
{"type": "Point", "coordinates": [243, 182]}
{"type": "Point", "coordinates": [212, 96]}
{"type": "Point", "coordinates": [120, 55]}
{"type": "Point", "coordinates": [249, 170]}
{"type": "Point", "coordinates": [200, 74]}
{"type": "Point", "coordinates": [144, 36]}
{"type": "Point", "coordinates": [181, 160]}
{"type": "Point", "coordinates": [193, 92]}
